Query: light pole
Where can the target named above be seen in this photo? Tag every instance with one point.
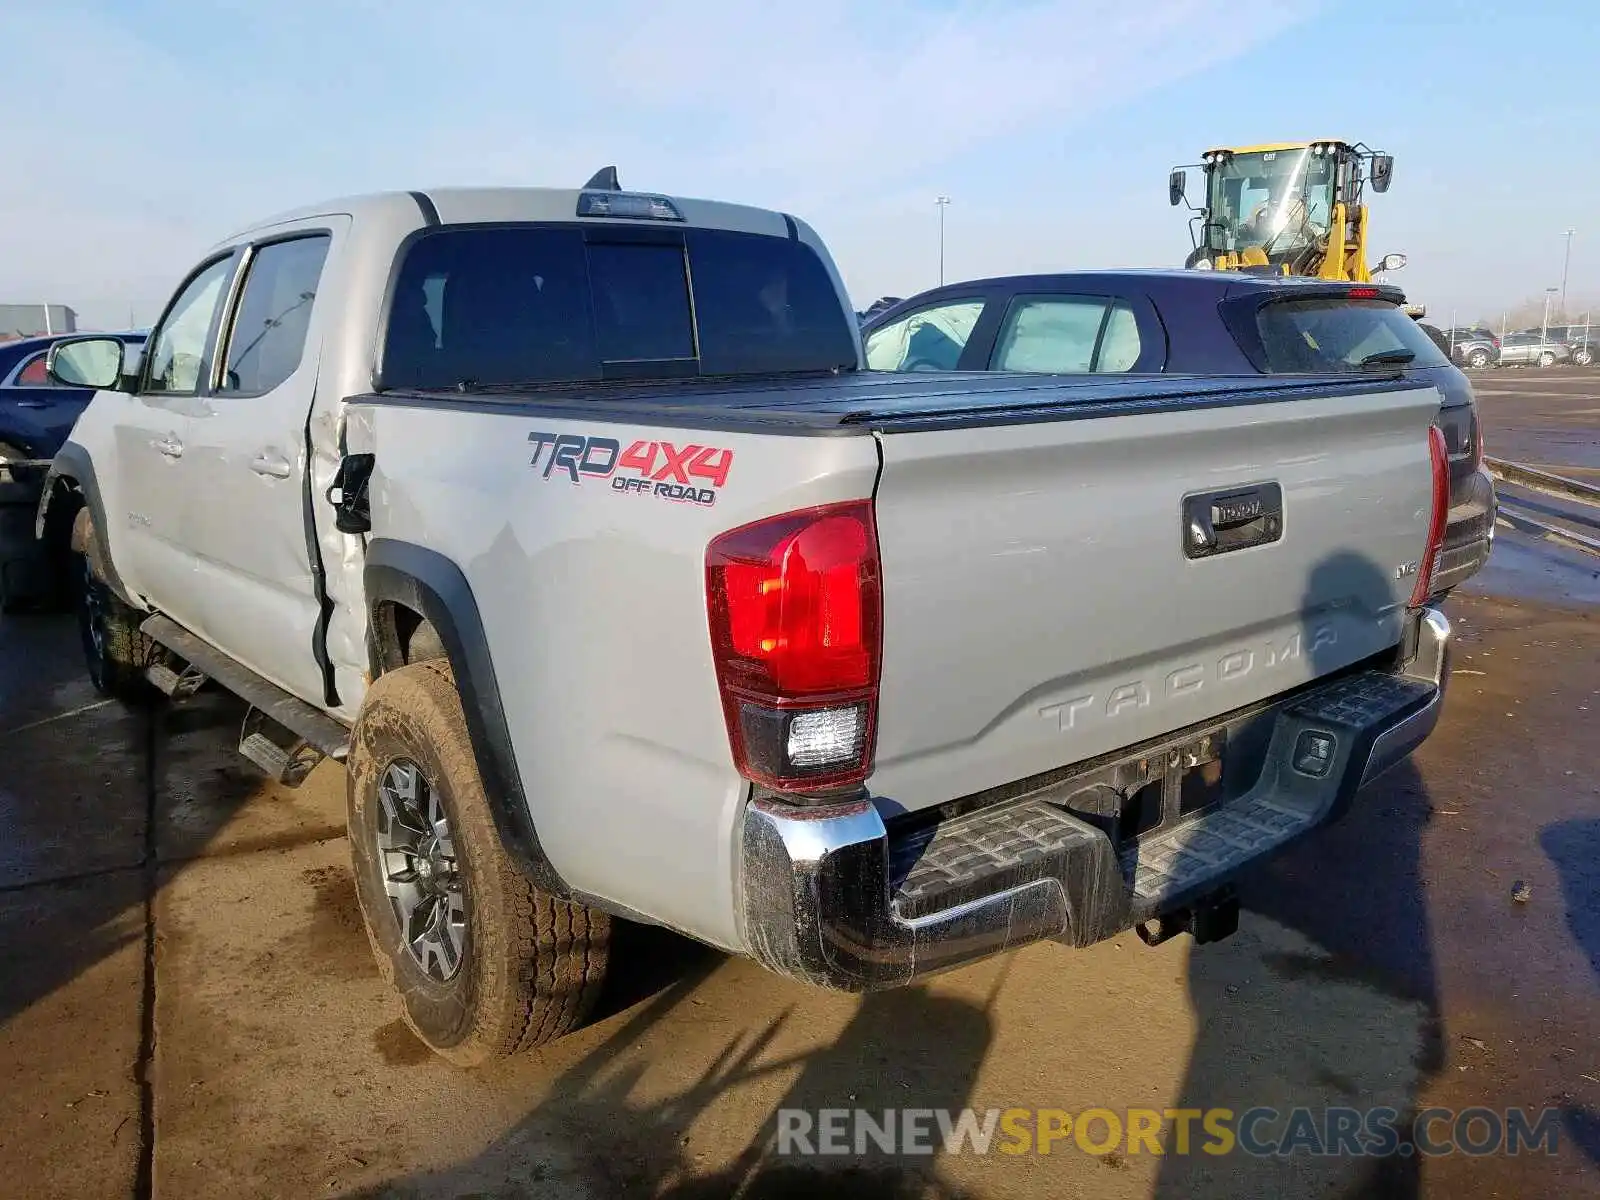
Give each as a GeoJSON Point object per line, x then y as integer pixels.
{"type": "Point", "coordinates": [942, 202]}
{"type": "Point", "coordinates": [1566, 261]}
{"type": "Point", "coordinates": [1544, 327]}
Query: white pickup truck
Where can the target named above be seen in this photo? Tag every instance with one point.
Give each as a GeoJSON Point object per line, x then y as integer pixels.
{"type": "Point", "coordinates": [570, 521]}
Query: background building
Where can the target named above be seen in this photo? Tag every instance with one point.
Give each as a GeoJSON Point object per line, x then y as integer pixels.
{"type": "Point", "coordinates": [29, 320]}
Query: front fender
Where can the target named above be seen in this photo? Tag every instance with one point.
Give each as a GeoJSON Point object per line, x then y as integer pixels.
{"type": "Point", "coordinates": [72, 470]}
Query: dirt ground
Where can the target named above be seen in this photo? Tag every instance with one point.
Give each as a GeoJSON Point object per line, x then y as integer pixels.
{"type": "Point", "coordinates": [188, 1006]}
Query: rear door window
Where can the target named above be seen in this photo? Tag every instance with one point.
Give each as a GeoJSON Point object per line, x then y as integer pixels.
{"type": "Point", "coordinates": [531, 304]}
{"type": "Point", "coordinates": [1323, 334]}
{"type": "Point", "coordinates": [274, 314]}
{"type": "Point", "coordinates": [1068, 335]}
{"type": "Point", "coordinates": [1119, 345]}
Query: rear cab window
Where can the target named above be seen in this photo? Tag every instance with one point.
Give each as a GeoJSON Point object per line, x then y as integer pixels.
{"type": "Point", "coordinates": [1337, 334]}
{"type": "Point", "coordinates": [533, 304]}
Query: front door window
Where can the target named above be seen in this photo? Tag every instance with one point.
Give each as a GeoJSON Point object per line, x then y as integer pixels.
{"type": "Point", "coordinates": [177, 349]}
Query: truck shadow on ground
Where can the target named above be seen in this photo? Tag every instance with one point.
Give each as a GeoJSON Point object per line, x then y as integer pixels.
{"type": "Point", "coordinates": [87, 793]}
{"type": "Point", "coordinates": [70, 889]}
{"type": "Point", "coordinates": [898, 1048]}
{"type": "Point", "coordinates": [1355, 1019]}
{"type": "Point", "coordinates": [1364, 1030]}
{"type": "Point", "coordinates": [1574, 848]}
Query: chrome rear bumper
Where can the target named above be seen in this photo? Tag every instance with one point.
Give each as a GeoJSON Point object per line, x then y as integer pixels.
{"type": "Point", "coordinates": [831, 897]}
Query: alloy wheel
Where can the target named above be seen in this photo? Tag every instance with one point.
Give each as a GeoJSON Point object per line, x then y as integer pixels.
{"type": "Point", "coordinates": [416, 853]}
{"type": "Point", "coordinates": [94, 622]}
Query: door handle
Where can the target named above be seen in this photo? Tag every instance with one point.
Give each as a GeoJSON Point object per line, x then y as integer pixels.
{"type": "Point", "coordinates": [1232, 519]}
{"type": "Point", "coordinates": [274, 465]}
{"type": "Point", "coordinates": [32, 404]}
{"type": "Point", "coordinates": [170, 446]}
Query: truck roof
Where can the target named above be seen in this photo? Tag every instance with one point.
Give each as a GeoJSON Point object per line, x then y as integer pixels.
{"type": "Point", "coordinates": [468, 205]}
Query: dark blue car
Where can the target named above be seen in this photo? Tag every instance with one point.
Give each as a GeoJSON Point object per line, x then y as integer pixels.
{"type": "Point", "coordinates": [36, 414]}
{"type": "Point", "coordinates": [1197, 323]}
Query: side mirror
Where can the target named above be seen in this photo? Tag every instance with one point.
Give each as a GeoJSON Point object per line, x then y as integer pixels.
{"type": "Point", "coordinates": [1177, 184]}
{"type": "Point", "coordinates": [89, 362]}
{"type": "Point", "coordinates": [1392, 262]}
{"type": "Point", "coordinates": [1382, 171]}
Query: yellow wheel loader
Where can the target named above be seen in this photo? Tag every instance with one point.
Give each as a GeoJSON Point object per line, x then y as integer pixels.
{"type": "Point", "coordinates": [1291, 208]}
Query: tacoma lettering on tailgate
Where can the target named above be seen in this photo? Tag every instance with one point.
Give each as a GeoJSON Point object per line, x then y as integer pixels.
{"type": "Point", "coordinates": [687, 474]}
{"type": "Point", "coordinates": [1234, 665]}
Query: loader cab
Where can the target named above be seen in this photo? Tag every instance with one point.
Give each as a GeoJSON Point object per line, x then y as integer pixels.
{"type": "Point", "coordinates": [1290, 208]}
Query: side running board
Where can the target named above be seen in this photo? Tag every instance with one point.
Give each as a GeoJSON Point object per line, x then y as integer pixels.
{"type": "Point", "coordinates": [274, 713]}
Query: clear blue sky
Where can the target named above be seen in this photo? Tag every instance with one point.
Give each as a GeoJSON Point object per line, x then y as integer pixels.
{"type": "Point", "coordinates": [156, 126]}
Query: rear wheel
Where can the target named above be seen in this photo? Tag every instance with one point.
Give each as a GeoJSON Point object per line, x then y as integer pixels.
{"type": "Point", "coordinates": [1547, 359]}
{"type": "Point", "coordinates": [114, 650]}
{"type": "Point", "coordinates": [486, 963]}
{"type": "Point", "coordinates": [1478, 359]}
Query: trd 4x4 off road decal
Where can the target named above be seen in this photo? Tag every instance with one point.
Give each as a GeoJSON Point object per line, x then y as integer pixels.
{"type": "Point", "coordinates": [688, 474]}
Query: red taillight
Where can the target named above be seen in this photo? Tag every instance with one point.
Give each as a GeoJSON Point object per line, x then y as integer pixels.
{"type": "Point", "coordinates": [1439, 458]}
{"type": "Point", "coordinates": [1362, 293]}
{"type": "Point", "coordinates": [796, 612]}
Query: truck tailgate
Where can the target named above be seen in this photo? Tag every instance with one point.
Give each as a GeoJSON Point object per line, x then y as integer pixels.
{"type": "Point", "coordinates": [1043, 604]}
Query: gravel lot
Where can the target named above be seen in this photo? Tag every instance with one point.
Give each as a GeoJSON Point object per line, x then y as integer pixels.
{"type": "Point", "coordinates": [188, 1006]}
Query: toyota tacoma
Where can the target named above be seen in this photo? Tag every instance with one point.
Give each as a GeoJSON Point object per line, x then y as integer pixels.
{"type": "Point", "coordinates": [573, 525]}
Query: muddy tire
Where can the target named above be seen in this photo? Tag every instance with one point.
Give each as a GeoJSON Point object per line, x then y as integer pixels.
{"type": "Point", "coordinates": [114, 650]}
{"type": "Point", "coordinates": [1478, 359]}
{"type": "Point", "coordinates": [485, 963]}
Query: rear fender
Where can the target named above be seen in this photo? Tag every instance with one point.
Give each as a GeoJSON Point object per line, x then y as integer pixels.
{"type": "Point", "coordinates": [430, 584]}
